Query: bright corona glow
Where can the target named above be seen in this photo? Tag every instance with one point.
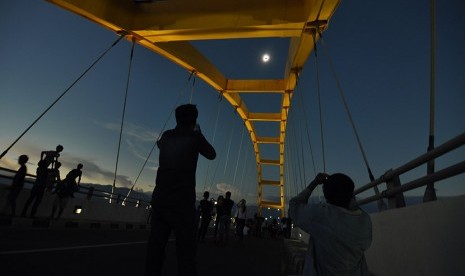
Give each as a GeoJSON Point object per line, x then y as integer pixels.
{"type": "Point", "coordinates": [265, 58]}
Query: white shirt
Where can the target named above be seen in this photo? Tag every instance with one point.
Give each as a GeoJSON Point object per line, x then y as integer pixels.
{"type": "Point", "coordinates": [338, 237]}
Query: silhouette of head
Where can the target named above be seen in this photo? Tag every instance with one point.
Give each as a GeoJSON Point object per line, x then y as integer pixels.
{"type": "Point", "coordinates": [186, 115]}
{"type": "Point", "coordinates": [220, 199]}
{"type": "Point", "coordinates": [228, 194]}
{"type": "Point", "coordinates": [79, 166]}
{"type": "Point", "coordinates": [59, 148]}
{"type": "Point", "coordinates": [206, 194]}
{"type": "Point", "coordinates": [339, 190]}
{"type": "Point", "coordinates": [23, 159]}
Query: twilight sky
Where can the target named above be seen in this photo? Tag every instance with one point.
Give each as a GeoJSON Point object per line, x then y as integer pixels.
{"type": "Point", "coordinates": [381, 54]}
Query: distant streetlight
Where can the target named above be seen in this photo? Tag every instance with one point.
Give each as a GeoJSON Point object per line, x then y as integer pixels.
{"type": "Point", "coordinates": [77, 209]}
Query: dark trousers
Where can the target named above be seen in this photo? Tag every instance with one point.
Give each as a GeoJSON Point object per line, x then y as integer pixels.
{"type": "Point", "coordinates": [182, 222]}
{"type": "Point", "coordinates": [240, 228]}
{"type": "Point", "coordinates": [204, 226]}
{"type": "Point", "coordinates": [12, 196]}
{"type": "Point", "coordinates": [37, 193]}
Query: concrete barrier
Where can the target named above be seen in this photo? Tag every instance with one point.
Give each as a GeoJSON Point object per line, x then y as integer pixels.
{"type": "Point", "coordinates": [424, 239]}
{"type": "Point", "coordinates": [94, 210]}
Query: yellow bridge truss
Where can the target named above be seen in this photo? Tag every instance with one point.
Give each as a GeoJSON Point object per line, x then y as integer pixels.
{"type": "Point", "coordinates": [166, 27]}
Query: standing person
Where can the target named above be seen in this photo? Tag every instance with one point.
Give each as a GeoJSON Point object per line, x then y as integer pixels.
{"type": "Point", "coordinates": [219, 213]}
{"type": "Point", "coordinates": [18, 183]}
{"type": "Point", "coordinates": [173, 198]}
{"type": "Point", "coordinates": [241, 216]}
{"type": "Point", "coordinates": [225, 220]}
{"type": "Point", "coordinates": [258, 221]}
{"type": "Point", "coordinates": [38, 189]}
{"type": "Point", "coordinates": [287, 227]}
{"type": "Point", "coordinates": [51, 156]}
{"type": "Point", "coordinates": [206, 208]}
{"type": "Point", "coordinates": [339, 236]}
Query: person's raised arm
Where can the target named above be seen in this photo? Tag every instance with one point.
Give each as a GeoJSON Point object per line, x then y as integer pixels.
{"type": "Point", "coordinates": [206, 149]}
{"type": "Point", "coordinates": [298, 202]}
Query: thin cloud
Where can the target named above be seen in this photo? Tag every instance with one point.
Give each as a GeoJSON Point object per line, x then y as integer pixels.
{"type": "Point", "coordinates": [138, 132]}
{"type": "Point", "coordinates": [94, 173]}
{"type": "Point", "coordinates": [137, 138]}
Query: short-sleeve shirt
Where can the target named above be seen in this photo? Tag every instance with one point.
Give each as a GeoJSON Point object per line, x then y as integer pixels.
{"type": "Point", "coordinates": [179, 152]}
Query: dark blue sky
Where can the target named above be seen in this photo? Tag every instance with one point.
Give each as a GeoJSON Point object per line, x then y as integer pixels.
{"type": "Point", "coordinates": [380, 51]}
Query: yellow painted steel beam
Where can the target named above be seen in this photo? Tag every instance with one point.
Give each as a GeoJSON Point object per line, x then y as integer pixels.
{"type": "Point", "coordinates": [270, 182]}
{"type": "Point", "coordinates": [187, 56]}
{"type": "Point", "coordinates": [255, 86]}
{"type": "Point", "coordinates": [270, 162]}
{"type": "Point", "coordinates": [176, 20]}
{"type": "Point", "coordinates": [267, 117]}
{"type": "Point", "coordinates": [276, 205]}
{"type": "Point", "coordinates": [268, 140]}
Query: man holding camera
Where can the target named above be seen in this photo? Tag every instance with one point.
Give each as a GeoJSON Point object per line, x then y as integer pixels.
{"type": "Point", "coordinates": [339, 235]}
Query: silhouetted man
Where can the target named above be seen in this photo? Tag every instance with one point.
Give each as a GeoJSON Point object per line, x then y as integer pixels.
{"type": "Point", "coordinates": [228, 204]}
{"type": "Point", "coordinates": [73, 174]}
{"type": "Point", "coordinates": [339, 235]}
{"type": "Point", "coordinates": [206, 208]}
{"type": "Point", "coordinates": [18, 183]}
{"type": "Point", "coordinates": [173, 199]}
{"type": "Point", "coordinates": [51, 156]}
{"type": "Point", "coordinates": [38, 189]}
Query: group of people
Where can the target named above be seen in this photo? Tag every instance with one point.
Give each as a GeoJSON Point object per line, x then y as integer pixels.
{"type": "Point", "coordinates": [224, 210]}
{"type": "Point", "coordinates": [47, 180]}
{"type": "Point", "coordinates": [339, 233]}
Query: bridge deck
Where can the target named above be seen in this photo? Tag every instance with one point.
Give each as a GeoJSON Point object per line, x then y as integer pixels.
{"type": "Point", "coordinates": [74, 251]}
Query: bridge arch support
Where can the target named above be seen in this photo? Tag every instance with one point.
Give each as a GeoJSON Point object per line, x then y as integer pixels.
{"type": "Point", "coordinates": [167, 27]}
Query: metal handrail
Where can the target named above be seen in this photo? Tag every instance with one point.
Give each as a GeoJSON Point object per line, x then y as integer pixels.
{"type": "Point", "coordinates": [448, 172]}
{"type": "Point", "coordinates": [100, 193]}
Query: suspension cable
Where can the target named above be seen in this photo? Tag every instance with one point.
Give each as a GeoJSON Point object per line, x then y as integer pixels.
{"type": "Point", "coordinates": [229, 148]}
{"type": "Point", "coordinates": [308, 135]}
{"type": "Point", "coordinates": [122, 115]}
{"type": "Point", "coordinates": [302, 146]}
{"type": "Point", "coordinates": [319, 101]}
{"type": "Point", "coordinates": [291, 154]}
{"type": "Point", "coordinates": [297, 169]}
{"type": "Point", "coordinates": [298, 156]}
{"type": "Point", "coordinates": [287, 157]}
{"type": "Point", "coordinates": [239, 156]}
{"type": "Point", "coordinates": [66, 91]}
{"type": "Point", "coordinates": [193, 74]}
{"type": "Point", "coordinates": [220, 99]}
{"type": "Point", "coordinates": [216, 169]}
{"type": "Point", "coordinates": [430, 192]}
{"type": "Point", "coordinates": [381, 204]}
{"type": "Point", "coordinates": [218, 162]}
{"type": "Point", "coordinates": [244, 169]}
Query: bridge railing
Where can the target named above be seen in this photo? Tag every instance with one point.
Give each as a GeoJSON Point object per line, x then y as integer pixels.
{"type": "Point", "coordinates": [88, 192]}
{"type": "Point", "coordinates": [394, 189]}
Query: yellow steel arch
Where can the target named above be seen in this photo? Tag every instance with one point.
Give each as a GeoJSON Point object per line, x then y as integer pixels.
{"type": "Point", "coordinates": [166, 27]}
